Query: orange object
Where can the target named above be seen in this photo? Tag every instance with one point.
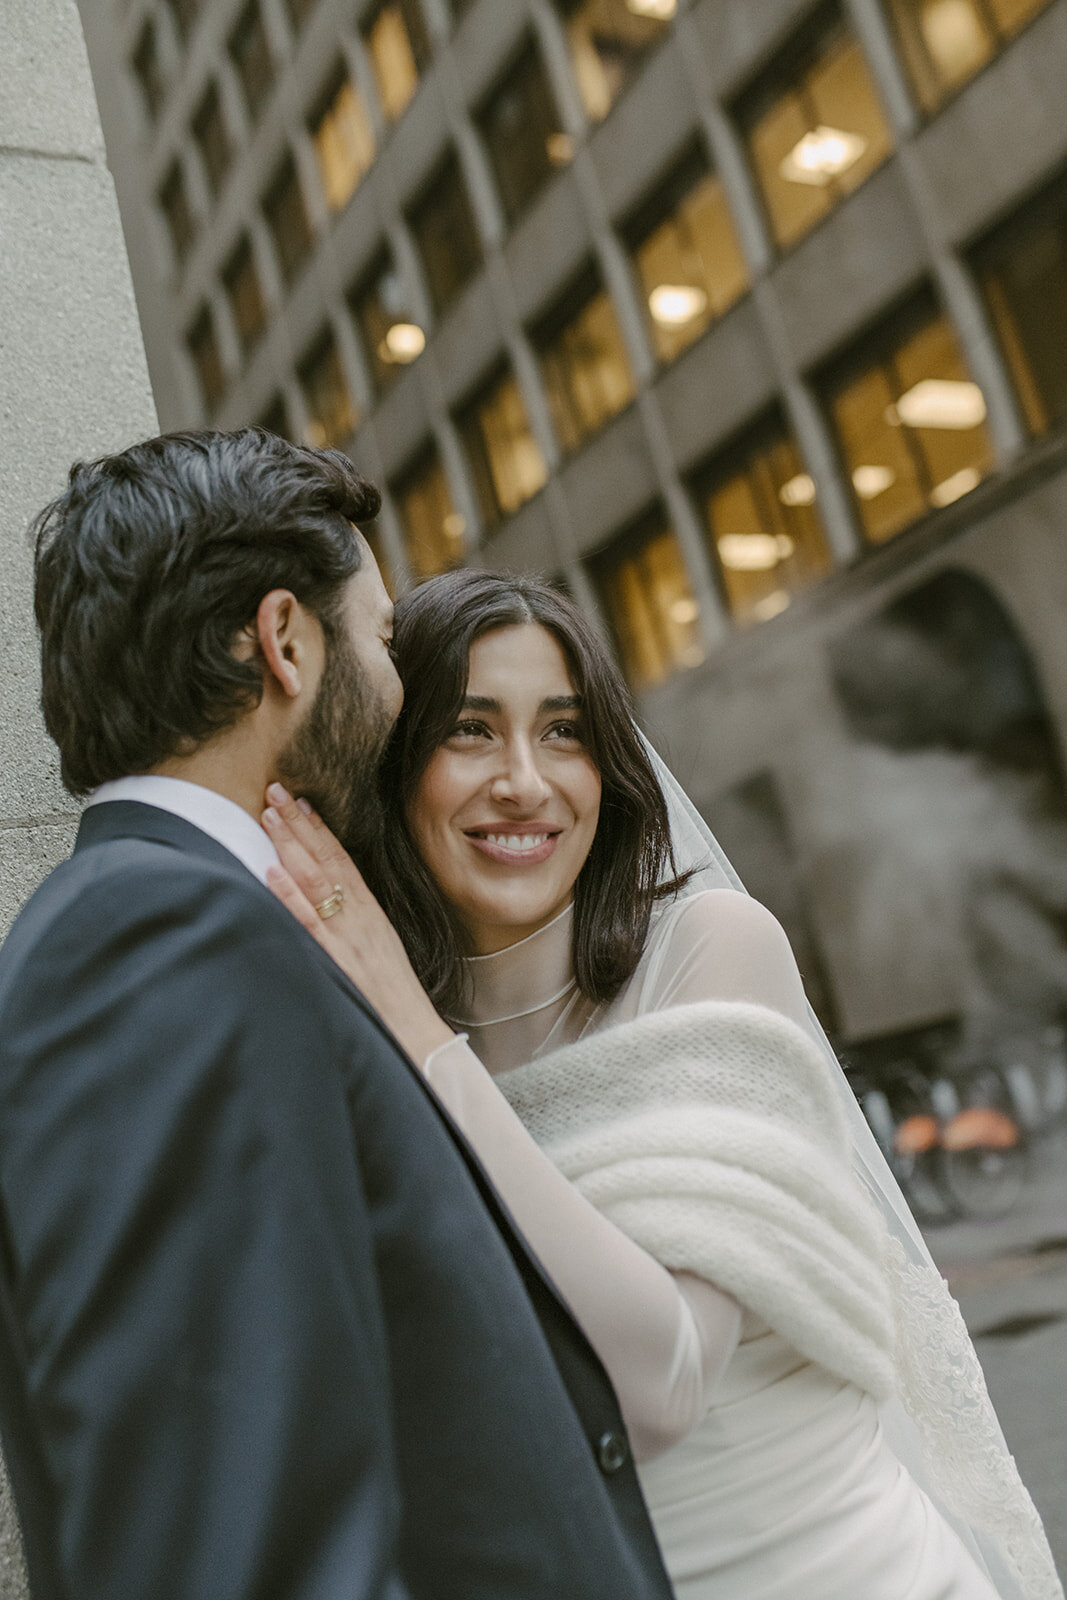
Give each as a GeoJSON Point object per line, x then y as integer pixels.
{"type": "Point", "coordinates": [917, 1134]}
{"type": "Point", "coordinates": [981, 1127]}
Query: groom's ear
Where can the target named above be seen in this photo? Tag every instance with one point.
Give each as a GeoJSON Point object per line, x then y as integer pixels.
{"type": "Point", "coordinates": [281, 636]}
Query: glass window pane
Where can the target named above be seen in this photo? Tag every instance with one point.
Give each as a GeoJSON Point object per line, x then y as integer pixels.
{"type": "Point", "coordinates": [1011, 15]}
{"type": "Point", "coordinates": [523, 133]}
{"type": "Point", "coordinates": [433, 528]}
{"type": "Point", "coordinates": [608, 40]}
{"type": "Point", "coordinates": [691, 267]}
{"type": "Point", "coordinates": [287, 219]}
{"type": "Point", "coordinates": [209, 131]}
{"type": "Point", "coordinates": [204, 349]}
{"type": "Point", "coordinates": [645, 590]}
{"type": "Point", "coordinates": [886, 472]}
{"type": "Point", "coordinates": [331, 411]}
{"type": "Point", "coordinates": [844, 98]}
{"type": "Point", "coordinates": [507, 463]}
{"type": "Point", "coordinates": [174, 202]}
{"type": "Point", "coordinates": [1024, 275]}
{"type": "Point", "coordinates": [392, 337]}
{"type": "Point", "coordinates": [586, 370]}
{"type": "Point", "coordinates": [245, 293]}
{"type": "Point", "coordinates": [250, 51]}
{"type": "Point", "coordinates": [344, 142]}
{"type": "Point", "coordinates": [445, 234]}
{"type": "Point", "coordinates": [398, 46]}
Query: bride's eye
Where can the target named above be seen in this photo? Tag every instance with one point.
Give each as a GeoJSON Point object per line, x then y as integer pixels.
{"type": "Point", "coordinates": [468, 729]}
{"type": "Point", "coordinates": [566, 730]}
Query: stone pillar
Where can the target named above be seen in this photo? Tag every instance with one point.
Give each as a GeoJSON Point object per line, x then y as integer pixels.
{"type": "Point", "coordinates": [73, 383]}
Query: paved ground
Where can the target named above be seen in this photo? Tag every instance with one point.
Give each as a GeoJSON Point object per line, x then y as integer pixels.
{"type": "Point", "coordinates": [1010, 1278]}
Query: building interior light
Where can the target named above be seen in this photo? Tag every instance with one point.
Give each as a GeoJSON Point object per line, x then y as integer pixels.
{"type": "Point", "coordinates": [754, 552]}
{"type": "Point", "coordinates": [954, 35]}
{"type": "Point", "coordinates": [939, 403]}
{"type": "Point", "coordinates": [770, 605]}
{"type": "Point", "coordinates": [674, 304]}
{"type": "Point", "coordinates": [798, 490]}
{"type": "Point", "coordinates": [659, 10]}
{"type": "Point", "coordinates": [823, 153]}
{"type": "Point", "coordinates": [684, 611]}
{"type": "Point", "coordinates": [872, 480]}
{"type": "Point", "coordinates": [960, 483]}
{"type": "Point", "coordinates": [559, 148]}
{"type": "Point", "coordinates": [454, 527]}
{"type": "Point", "coordinates": [403, 342]}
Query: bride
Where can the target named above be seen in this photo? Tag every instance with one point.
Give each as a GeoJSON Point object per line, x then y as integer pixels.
{"type": "Point", "coordinates": [622, 1037]}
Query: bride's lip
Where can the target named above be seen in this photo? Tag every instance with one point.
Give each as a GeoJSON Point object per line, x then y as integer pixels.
{"type": "Point", "coordinates": [515, 846]}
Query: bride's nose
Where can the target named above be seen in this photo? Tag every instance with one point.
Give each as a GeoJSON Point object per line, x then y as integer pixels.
{"type": "Point", "coordinates": [519, 782]}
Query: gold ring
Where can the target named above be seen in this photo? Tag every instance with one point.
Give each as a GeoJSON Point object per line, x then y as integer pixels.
{"type": "Point", "coordinates": [332, 903]}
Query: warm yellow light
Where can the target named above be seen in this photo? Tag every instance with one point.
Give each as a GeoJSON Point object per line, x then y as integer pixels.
{"type": "Point", "coordinates": [939, 403]}
{"type": "Point", "coordinates": [659, 10]}
{"type": "Point", "coordinates": [822, 154]}
{"type": "Point", "coordinates": [403, 342]}
{"type": "Point", "coordinates": [454, 527]}
{"type": "Point", "coordinates": [960, 483]}
{"type": "Point", "coordinates": [674, 304]}
{"type": "Point", "coordinates": [684, 611]}
{"type": "Point", "coordinates": [560, 148]}
{"type": "Point", "coordinates": [771, 605]}
{"type": "Point", "coordinates": [749, 552]}
{"type": "Point", "coordinates": [872, 480]}
{"type": "Point", "coordinates": [798, 491]}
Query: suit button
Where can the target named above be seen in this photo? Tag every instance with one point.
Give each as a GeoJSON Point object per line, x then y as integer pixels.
{"type": "Point", "coordinates": [612, 1451]}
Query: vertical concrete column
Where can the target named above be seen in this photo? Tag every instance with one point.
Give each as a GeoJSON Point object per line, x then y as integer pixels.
{"type": "Point", "coordinates": [73, 383]}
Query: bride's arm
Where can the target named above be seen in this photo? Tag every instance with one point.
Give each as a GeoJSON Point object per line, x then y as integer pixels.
{"type": "Point", "coordinates": [665, 1339]}
{"type": "Point", "coordinates": [723, 945]}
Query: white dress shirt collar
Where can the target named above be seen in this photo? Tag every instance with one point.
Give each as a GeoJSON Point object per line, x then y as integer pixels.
{"type": "Point", "coordinates": [211, 812]}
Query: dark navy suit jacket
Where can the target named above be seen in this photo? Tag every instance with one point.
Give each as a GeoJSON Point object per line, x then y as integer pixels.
{"type": "Point", "coordinates": [266, 1330]}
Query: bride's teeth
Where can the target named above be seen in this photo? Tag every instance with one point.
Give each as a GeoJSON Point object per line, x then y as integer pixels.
{"type": "Point", "coordinates": [517, 843]}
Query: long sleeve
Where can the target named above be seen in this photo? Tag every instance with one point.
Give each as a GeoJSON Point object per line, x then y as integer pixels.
{"type": "Point", "coordinates": [665, 1339]}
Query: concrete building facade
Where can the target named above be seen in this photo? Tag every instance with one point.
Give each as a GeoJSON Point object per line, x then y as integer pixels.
{"type": "Point", "coordinates": [746, 320]}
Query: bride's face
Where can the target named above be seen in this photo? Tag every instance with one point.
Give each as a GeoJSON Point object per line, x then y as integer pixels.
{"type": "Point", "coordinates": [505, 812]}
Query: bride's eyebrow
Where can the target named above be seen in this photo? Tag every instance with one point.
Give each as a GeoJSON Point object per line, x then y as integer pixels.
{"type": "Point", "coordinates": [562, 702]}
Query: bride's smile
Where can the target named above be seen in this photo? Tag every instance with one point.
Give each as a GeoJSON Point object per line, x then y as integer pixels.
{"type": "Point", "coordinates": [506, 809]}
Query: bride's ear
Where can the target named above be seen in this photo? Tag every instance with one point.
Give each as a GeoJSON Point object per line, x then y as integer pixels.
{"type": "Point", "coordinates": [281, 635]}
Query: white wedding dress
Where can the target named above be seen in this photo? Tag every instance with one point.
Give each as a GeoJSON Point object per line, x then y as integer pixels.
{"type": "Point", "coordinates": [770, 1478]}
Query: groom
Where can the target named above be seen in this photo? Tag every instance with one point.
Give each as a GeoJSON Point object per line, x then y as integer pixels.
{"type": "Point", "coordinates": [265, 1328]}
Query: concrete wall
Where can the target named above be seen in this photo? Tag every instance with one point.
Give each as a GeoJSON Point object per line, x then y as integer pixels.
{"type": "Point", "coordinates": [73, 383]}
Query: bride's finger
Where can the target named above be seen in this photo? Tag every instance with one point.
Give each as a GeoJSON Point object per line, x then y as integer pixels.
{"type": "Point", "coordinates": [318, 840]}
{"type": "Point", "coordinates": [307, 872]}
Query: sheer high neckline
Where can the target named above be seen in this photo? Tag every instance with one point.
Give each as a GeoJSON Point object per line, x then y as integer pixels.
{"type": "Point", "coordinates": [524, 978]}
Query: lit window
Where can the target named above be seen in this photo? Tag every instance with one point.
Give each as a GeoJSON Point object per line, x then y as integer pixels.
{"type": "Point", "coordinates": [586, 370]}
{"type": "Point", "coordinates": [687, 255]}
{"type": "Point", "coordinates": [444, 230]}
{"type": "Point", "coordinates": [391, 333]}
{"type": "Point", "coordinates": [209, 131]}
{"type": "Point", "coordinates": [399, 49]}
{"type": "Point", "coordinates": [759, 509]}
{"type": "Point", "coordinates": [433, 528]}
{"type": "Point", "coordinates": [344, 141]}
{"type": "Point", "coordinates": [505, 458]}
{"type": "Point", "coordinates": [523, 133]}
{"type": "Point", "coordinates": [146, 68]}
{"type": "Point", "coordinates": [174, 203]}
{"type": "Point", "coordinates": [945, 42]}
{"type": "Point", "coordinates": [185, 13]}
{"type": "Point", "coordinates": [1023, 271]}
{"type": "Point", "coordinates": [644, 588]}
{"type": "Point", "coordinates": [203, 347]}
{"type": "Point", "coordinates": [276, 418]}
{"type": "Point", "coordinates": [609, 39]}
{"type": "Point", "coordinates": [910, 422]}
{"type": "Point", "coordinates": [287, 220]}
{"type": "Point", "coordinates": [331, 412]}
{"type": "Point", "coordinates": [814, 127]}
{"type": "Point", "coordinates": [250, 53]}
{"type": "Point", "coordinates": [241, 281]}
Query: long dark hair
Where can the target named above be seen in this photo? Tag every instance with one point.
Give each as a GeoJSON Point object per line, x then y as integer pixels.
{"type": "Point", "coordinates": [436, 624]}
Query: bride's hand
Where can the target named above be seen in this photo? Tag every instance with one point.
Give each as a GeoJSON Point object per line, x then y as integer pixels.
{"type": "Point", "coordinates": [358, 935]}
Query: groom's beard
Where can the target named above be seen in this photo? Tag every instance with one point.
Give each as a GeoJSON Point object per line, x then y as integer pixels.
{"type": "Point", "coordinates": [333, 758]}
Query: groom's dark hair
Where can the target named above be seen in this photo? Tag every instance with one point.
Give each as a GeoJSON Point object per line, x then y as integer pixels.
{"type": "Point", "coordinates": [150, 564]}
{"type": "Point", "coordinates": [630, 864]}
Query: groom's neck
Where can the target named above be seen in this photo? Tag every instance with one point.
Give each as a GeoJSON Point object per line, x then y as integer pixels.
{"type": "Point", "coordinates": [238, 763]}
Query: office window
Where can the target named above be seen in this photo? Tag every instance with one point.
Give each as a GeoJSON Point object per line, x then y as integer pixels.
{"type": "Point", "coordinates": [442, 224]}
{"type": "Point", "coordinates": [185, 13]}
{"type": "Point", "coordinates": [287, 220]}
{"type": "Point", "coordinates": [433, 528]}
{"type": "Point", "coordinates": [276, 418]}
{"type": "Point", "coordinates": [203, 347]}
{"type": "Point", "coordinates": [331, 412]}
{"type": "Point", "coordinates": [763, 526]}
{"type": "Point", "coordinates": [608, 40]}
{"type": "Point", "coordinates": [586, 370]}
{"type": "Point", "coordinates": [1023, 273]}
{"type": "Point", "coordinates": [505, 459]}
{"type": "Point", "coordinates": [381, 306]}
{"type": "Point", "coordinates": [644, 588]}
{"type": "Point", "coordinates": [523, 133]}
{"type": "Point", "coordinates": [174, 203]}
{"type": "Point", "coordinates": [399, 49]}
{"type": "Point", "coordinates": [145, 63]}
{"type": "Point", "coordinates": [814, 127]}
{"type": "Point", "coordinates": [213, 141]}
{"type": "Point", "coordinates": [244, 291]}
{"type": "Point", "coordinates": [945, 42]}
{"type": "Point", "coordinates": [250, 53]}
{"type": "Point", "coordinates": [344, 140]}
{"type": "Point", "coordinates": [910, 422]}
{"type": "Point", "coordinates": [686, 253]}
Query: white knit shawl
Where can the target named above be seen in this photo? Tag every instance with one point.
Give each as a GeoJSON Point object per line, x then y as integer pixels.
{"type": "Point", "coordinates": [711, 1135]}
